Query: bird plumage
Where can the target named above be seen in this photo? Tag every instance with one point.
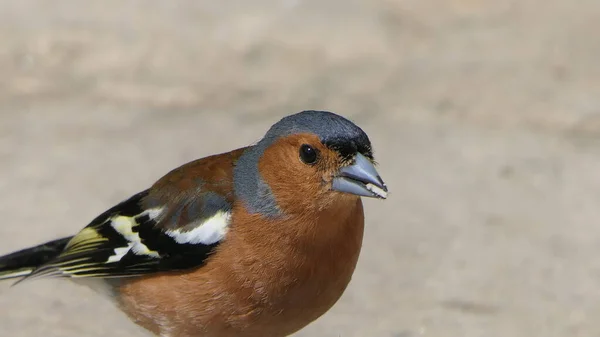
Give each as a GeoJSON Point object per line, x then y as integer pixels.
{"type": "Point", "coordinates": [259, 241]}
{"type": "Point", "coordinates": [21, 263]}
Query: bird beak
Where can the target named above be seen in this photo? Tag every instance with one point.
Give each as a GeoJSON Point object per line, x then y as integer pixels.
{"type": "Point", "coordinates": [360, 178]}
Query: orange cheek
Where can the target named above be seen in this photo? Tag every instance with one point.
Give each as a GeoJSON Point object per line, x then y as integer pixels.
{"type": "Point", "coordinates": [294, 184]}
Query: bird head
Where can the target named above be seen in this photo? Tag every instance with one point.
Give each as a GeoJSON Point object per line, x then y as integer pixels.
{"type": "Point", "coordinates": [307, 160]}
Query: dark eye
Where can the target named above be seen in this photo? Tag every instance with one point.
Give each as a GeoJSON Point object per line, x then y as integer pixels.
{"type": "Point", "coordinates": [308, 154]}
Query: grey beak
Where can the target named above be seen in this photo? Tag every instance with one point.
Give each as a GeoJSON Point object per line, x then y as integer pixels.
{"type": "Point", "coordinates": [360, 178]}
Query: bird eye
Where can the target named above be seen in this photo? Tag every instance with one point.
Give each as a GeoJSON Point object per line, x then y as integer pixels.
{"type": "Point", "coordinates": [308, 154]}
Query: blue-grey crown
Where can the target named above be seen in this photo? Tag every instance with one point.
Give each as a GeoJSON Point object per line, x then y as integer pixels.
{"type": "Point", "coordinates": [334, 131]}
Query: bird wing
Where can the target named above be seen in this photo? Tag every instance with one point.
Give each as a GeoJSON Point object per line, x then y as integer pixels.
{"type": "Point", "coordinates": [175, 225]}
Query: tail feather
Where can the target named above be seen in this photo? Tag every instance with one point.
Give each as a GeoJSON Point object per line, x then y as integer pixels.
{"type": "Point", "coordinates": [23, 262]}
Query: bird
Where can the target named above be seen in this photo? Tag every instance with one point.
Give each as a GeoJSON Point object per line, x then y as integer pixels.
{"type": "Point", "coordinates": [259, 241]}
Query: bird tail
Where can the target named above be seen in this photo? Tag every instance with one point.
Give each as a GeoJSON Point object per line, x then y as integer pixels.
{"type": "Point", "coordinates": [23, 262]}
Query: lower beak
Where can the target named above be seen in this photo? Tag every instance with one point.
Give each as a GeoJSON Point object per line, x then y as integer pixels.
{"type": "Point", "coordinates": [360, 178]}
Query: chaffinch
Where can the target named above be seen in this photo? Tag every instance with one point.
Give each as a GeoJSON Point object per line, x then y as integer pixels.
{"type": "Point", "coordinates": [256, 242]}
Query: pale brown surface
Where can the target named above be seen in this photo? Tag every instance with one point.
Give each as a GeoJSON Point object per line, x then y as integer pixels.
{"type": "Point", "coordinates": [485, 117]}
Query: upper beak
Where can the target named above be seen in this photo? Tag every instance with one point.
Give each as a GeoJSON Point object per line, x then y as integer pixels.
{"type": "Point", "coordinates": [360, 178]}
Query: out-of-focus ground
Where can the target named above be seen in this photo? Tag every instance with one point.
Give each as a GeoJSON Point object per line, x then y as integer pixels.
{"type": "Point", "coordinates": [485, 118]}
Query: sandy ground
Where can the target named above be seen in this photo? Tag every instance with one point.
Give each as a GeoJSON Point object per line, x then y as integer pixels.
{"type": "Point", "coordinates": [485, 118]}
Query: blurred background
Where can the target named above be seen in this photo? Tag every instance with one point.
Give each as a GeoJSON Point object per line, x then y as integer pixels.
{"type": "Point", "coordinates": [485, 118]}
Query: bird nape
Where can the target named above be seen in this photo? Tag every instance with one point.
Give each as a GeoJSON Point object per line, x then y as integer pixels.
{"type": "Point", "coordinates": [258, 241]}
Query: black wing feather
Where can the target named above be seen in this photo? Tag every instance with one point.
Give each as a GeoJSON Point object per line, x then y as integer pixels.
{"type": "Point", "coordinates": [88, 254]}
